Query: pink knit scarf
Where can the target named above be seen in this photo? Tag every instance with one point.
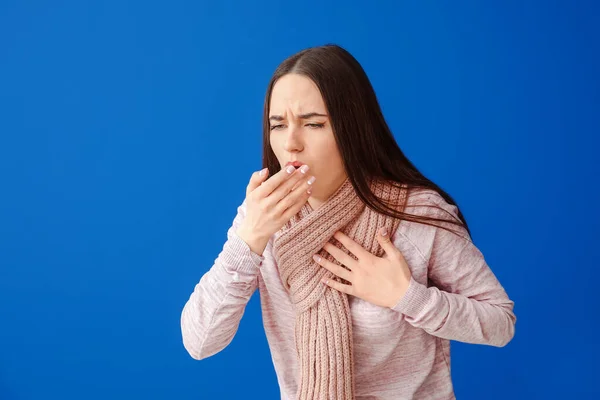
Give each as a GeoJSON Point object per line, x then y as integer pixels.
{"type": "Point", "coordinates": [323, 326]}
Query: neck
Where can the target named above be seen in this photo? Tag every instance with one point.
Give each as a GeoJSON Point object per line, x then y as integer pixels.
{"type": "Point", "coordinates": [318, 198]}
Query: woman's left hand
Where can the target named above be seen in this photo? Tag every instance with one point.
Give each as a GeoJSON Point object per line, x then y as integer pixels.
{"type": "Point", "coordinates": [379, 280]}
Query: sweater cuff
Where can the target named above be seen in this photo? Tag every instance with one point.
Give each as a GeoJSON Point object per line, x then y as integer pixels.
{"type": "Point", "coordinates": [415, 300]}
{"type": "Point", "coordinates": [237, 256]}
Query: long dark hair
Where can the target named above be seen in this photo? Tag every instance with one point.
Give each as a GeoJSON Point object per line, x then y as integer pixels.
{"type": "Point", "coordinates": [366, 144]}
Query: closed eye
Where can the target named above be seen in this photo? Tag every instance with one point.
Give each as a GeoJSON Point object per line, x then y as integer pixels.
{"type": "Point", "coordinates": [314, 126]}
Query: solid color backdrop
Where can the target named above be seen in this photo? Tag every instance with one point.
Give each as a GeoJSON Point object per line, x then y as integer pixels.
{"type": "Point", "coordinates": [129, 130]}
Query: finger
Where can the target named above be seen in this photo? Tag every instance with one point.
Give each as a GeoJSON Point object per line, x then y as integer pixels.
{"type": "Point", "coordinates": [288, 186]}
{"type": "Point", "coordinates": [340, 287]}
{"type": "Point", "coordinates": [355, 248]}
{"type": "Point", "coordinates": [340, 255]}
{"type": "Point", "coordinates": [256, 180]}
{"type": "Point", "coordinates": [268, 186]}
{"type": "Point", "coordinates": [384, 240]}
{"type": "Point", "coordinates": [293, 202]}
{"type": "Point", "coordinates": [333, 268]}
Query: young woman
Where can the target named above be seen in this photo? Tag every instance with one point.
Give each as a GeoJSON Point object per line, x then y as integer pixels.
{"type": "Point", "coordinates": [366, 269]}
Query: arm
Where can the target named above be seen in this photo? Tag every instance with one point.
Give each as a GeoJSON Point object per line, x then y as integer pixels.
{"type": "Point", "coordinates": [466, 302]}
{"type": "Point", "coordinates": [211, 316]}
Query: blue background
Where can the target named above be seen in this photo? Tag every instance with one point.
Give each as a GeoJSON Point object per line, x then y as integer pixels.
{"type": "Point", "coordinates": [129, 130]}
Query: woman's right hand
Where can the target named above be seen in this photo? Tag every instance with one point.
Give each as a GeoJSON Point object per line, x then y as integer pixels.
{"type": "Point", "coordinates": [270, 203]}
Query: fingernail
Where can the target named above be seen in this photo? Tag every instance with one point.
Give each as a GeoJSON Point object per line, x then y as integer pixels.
{"type": "Point", "coordinates": [311, 180]}
{"type": "Point", "coordinates": [317, 258]}
{"type": "Point", "coordinates": [383, 232]}
{"type": "Point", "coordinates": [290, 169]}
{"type": "Point", "coordinates": [304, 168]}
{"type": "Point", "coordinates": [263, 172]}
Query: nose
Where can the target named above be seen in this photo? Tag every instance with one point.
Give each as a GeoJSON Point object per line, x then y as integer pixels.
{"type": "Point", "coordinates": [293, 141]}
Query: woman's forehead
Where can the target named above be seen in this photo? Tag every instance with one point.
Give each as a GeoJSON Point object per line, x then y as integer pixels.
{"type": "Point", "coordinates": [297, 93]}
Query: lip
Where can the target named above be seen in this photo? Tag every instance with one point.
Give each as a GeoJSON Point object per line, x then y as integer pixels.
{"type": "Point", "coordinates": [296, 164]}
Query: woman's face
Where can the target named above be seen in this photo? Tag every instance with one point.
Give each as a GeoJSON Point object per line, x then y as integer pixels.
{"type": "Point", "coordinates": [300, 130]}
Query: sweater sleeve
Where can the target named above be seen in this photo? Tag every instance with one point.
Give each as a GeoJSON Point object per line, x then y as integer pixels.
{"type": "Point", "coordinates": [464, 301]}
{"type": "Point", "coordinates": [211, 315]}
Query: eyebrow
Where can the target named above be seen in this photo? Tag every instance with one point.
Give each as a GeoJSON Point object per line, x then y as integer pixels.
{"type": "Point", "coordinates": [303, 116]}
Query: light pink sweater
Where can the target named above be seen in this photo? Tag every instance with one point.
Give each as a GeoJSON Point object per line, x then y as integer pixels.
{"type": "Point", "coordinates": [401, 352]}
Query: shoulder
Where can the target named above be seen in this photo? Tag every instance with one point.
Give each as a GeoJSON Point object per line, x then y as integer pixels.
{"type": "Point", "coordinates": [430, 204]}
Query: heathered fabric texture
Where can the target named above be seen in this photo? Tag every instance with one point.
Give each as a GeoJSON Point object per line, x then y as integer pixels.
{"type": "Point", "coordinates": [401, 352]}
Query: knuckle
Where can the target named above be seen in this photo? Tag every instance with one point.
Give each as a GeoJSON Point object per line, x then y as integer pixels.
{"type": "Point", "coordinates": [287, 202]}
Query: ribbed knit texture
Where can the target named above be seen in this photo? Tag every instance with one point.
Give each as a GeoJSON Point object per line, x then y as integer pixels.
{"type": "Point", "coordinates": [323, 327]}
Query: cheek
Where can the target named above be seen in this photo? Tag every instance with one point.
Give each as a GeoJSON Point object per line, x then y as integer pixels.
{"type": "Point", "coordinates": [331, 155]}
{"type": "Point", "coordinates": [328, 160]}
{"type": "Point", "coordinates": [275, 146]}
